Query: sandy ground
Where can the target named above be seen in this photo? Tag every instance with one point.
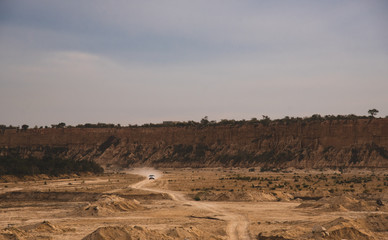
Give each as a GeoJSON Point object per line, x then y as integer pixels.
{"type": "Point", "coordinates": [237, 224]}
{"type": "Point", "coordinates": [197, 204]}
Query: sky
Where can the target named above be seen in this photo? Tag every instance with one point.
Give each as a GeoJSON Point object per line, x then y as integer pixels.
{"type": "Point", "coordinates": [134, 62]}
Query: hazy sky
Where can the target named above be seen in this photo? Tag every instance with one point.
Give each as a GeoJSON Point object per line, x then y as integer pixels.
{"type": "Point", "coordinates": [79, 61]}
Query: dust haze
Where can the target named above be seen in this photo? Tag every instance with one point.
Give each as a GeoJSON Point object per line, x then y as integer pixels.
{"type": "Point", "coordinates": [145, 171]}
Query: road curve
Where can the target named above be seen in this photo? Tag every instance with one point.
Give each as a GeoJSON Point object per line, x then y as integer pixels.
{"type": "Point", "coordinates": [237, 227]}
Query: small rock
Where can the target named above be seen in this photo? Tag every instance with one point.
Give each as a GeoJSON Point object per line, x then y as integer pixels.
{"type": "Point", "coordinates": [318, 229]}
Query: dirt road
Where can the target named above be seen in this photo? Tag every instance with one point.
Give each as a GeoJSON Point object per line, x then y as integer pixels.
{"type": "Point", "coordinates": [230, 207]}
{"type": "Point", "coordinates": [237, 227]}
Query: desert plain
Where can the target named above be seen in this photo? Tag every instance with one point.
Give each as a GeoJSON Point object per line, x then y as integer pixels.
{"type": "Point", "coordinates": [197, 203]}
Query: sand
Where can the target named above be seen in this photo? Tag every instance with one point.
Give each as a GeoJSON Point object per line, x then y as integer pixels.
{"type": "Point", "coordinates": [195, 204]}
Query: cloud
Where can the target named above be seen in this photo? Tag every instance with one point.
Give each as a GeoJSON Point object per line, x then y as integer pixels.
{"type": "Point", "coordinates": [147, 61]}
{"type": "Point", "coordinates": [176, 31]}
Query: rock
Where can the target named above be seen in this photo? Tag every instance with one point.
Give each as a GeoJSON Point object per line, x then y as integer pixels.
{"type": "Point", "coordinates": [318, 229]}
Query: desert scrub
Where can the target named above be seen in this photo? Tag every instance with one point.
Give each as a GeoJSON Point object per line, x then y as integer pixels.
{"type": "Point", "coordinates": [47, 165]}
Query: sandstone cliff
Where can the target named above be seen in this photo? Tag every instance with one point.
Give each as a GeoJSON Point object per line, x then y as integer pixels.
{"type": "Point", "coordinates": [311, 144]}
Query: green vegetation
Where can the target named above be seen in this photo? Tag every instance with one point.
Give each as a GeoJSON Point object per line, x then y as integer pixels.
{"type": "Point", "coordinates": [265, 121]}
{"type": "Point", "coordinates": [373, 112]}
{"type": "Point", "coordinates": [52, 166]}
{"type": "Point", "coordinates": [98, 125]}
{"type": "Point", "coordinates": [186, 153]}
{"type": "Point", "coordinates": [354, 158]}
{"type": "Point", "coordinates": [204, 120]}
{"type": "Point", "coordinates": [249, 178]}
{"type": "Point", "coordinates": [380, 150]}
{"type": "Point", "coordinates": [265, 157]}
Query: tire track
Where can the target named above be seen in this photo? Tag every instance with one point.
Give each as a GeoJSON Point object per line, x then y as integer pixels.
{"type": "Point", "coordinates": [237, 228]}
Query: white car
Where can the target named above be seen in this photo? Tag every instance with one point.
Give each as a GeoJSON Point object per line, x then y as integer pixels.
{"type": "Point", "coordinates": [151, 177]}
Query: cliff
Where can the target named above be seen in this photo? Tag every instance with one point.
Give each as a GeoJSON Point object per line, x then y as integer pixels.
{"type": "Point", "coordinates": [301, 144]}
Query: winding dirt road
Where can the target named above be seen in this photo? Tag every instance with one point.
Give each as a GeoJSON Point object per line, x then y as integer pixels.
{"type": "Point", "coordinates": [237, 227]}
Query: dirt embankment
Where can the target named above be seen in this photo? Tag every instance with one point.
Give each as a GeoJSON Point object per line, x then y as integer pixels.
{"type": "Point", "coordinates": [137, 232]}
{"type": "Point", "coordinates": [314, 144]}
{"type": "Point", "coordinates": [337, 229]}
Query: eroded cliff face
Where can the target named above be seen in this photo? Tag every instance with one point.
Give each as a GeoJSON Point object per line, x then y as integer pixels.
{"type": "Point", "coordinates": [316, 144]}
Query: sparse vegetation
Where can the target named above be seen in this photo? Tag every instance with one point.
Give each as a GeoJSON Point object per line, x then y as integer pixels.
{"type": "Point", "coordinates": [265, 121]}
{"type": "Point", "coordinates": [47, 165]}
{"type": "Point", "coordinates": [237, 190]}
{"type": "Point", "coordinates": [373, 112]}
